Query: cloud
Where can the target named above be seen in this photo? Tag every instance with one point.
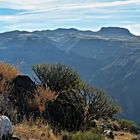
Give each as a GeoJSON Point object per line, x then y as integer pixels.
{"type": "Point", "coordinates": [39, 14]}
{"type": "Point", "coordinates": [63, 4]}
{"type": "Point", "coordinates": [133, 27]}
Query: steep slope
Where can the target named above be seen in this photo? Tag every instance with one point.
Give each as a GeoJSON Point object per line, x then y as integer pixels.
{"type": "Point", "coordinates": [30, 49]}
{"type": "Point", "coordinates": [121, 79]}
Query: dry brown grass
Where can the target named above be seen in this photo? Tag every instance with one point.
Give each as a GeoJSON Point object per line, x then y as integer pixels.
{"type": "Point", "coordinates": [36, 131]}
{"type": "Point", "coordinates": [41, 97]}
{"type": "Point", "coordinates": [39, 131]}
{"type": "Point", "coordinates": [124, 136]}
{"type": "Point", "coordinates": [120, 134]}
{"type": "Point", "coordinates": [7, 73]}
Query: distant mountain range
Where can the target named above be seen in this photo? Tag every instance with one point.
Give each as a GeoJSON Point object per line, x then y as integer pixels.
{"type": "Point", "coordinates": [108, 59]}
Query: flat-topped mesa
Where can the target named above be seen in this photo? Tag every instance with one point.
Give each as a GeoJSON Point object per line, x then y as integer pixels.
{"type": "Point", "coordinates": [115, 31]}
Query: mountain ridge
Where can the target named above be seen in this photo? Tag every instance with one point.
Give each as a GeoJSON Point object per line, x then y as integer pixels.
{"type": "Point", "coordinates": [103, 31]}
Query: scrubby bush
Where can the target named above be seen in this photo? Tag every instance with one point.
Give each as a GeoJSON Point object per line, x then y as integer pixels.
{"type": "Point", "coordinates": [97, 105]}
{"type": "Point", "coordinates": [128, 125]}
{"type": "Point", "coordinates": [66, 111]}
{"type": "Point", "coordinates": [13, 96]}
{"type": "Point", "coordinates": [7, 73]}
{"type": "Point", "coordinates": [77, 104]}
{"type": "Point", "coordinates": [41, 97]}
{"type": "Point", "coordinates": [8, 108]}
{"type": "Point", "coordinates": [102, 106]}
{"type": "Point", "coordinates": [57, 77]}
{"type": "Point", "coordinates": [87, 135]}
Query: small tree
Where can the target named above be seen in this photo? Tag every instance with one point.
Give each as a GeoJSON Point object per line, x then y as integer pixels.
{"type": "Point", "coordinates": [102, 106]}
{"type": "Point", "coordinates": [97, 105]}
{"type": "Point", "coordinates": [57, 77]}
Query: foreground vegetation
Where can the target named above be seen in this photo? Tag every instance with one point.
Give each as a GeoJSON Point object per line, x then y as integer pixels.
{"type": "Point", "coordinates": [28, 130]}
{"type": "Point", "coordinates": [72, 109]}
{"type": "Point", "coordinates": [35, 130]}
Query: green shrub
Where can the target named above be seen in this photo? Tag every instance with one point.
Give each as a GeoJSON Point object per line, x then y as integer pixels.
{"type": "Point", "coordinates": [130, 126]}
{"type": "Point", "coordinates": [87, 135]}
{"type": "Point", "coordinates": [57, 77]}
{"type": "Point", "coordinates": [126, 123]}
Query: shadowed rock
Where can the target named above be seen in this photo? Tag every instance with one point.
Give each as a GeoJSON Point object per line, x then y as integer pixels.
{"type": "Point", "coordinates": [25, 82]}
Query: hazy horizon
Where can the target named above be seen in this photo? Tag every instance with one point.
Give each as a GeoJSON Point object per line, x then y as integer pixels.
{"type": "Point", "coordinates": [66, 29]}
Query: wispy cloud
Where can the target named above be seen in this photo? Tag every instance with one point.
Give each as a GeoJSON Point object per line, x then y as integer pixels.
{"type": "Point", "coordinates": [41, 4]}
{"type": "Point", "coordinates": [89, 14]}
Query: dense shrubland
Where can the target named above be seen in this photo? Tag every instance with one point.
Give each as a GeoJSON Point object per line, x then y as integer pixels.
{"type": "Point", "coordinates": [58, 96]}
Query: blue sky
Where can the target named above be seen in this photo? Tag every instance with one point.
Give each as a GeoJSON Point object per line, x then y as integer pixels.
{"type": "Point", "coordinates": [81, 14]}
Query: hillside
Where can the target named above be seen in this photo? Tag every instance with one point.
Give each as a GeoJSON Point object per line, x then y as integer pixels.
{"type": "Point", "coordinates": [34, 131]}
{"type": "Point", "coordinates": [108, 58]}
